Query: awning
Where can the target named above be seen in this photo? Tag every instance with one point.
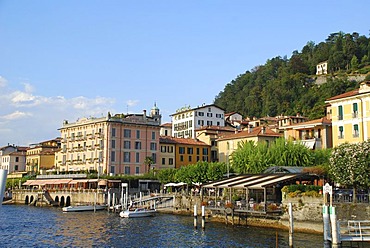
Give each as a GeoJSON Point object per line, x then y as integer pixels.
{"type": "Point", "coordinates": [258, 181]}
{"type": "Point", "coordinates": [102, 182]}
{"type": "Point", "coordinates": [62, 181]}
{"type": "Point", "coordinates": [310, 143]}
{"type": "Point", "coordinates": [28, 182]}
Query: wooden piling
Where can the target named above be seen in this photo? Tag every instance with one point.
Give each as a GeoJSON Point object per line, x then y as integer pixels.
{"type": "Point", "coordinates": [203, 218]}
{"type": "Point", "coordinates": [195, 216]}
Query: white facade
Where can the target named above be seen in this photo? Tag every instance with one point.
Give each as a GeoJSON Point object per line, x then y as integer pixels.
{"type": "Point", "coordinates": [322, 68]}
{"type": "Point", "coordinates": [186, 120]}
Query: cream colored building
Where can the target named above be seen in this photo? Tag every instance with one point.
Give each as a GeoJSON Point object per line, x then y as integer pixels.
{"type": "Point", "coordinates": [350, 115]}
{"type": "Point", "coordinates": [322, 68]}
{"type": "Point", "coordinates": [315, 134]}
{"type": "Point", "coordinates": [228, 144]}
{"type": "Point", "coordinates": [112, 145]}
{"type": "Point", "coordinates": [186, 120]}
{"type": "Point", "coordinates": [41, 156]}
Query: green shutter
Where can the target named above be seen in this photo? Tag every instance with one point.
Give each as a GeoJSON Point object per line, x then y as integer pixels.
{"type": "Point", "coordinates": [355, 108]}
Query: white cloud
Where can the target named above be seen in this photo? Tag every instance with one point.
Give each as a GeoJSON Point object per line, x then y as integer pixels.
{"type": "Point", "coordinates": [132, 103]}
{"type": "Point", "coordinates": [26, 116]}
{"type": "Point", "coordinates": [15, 115]}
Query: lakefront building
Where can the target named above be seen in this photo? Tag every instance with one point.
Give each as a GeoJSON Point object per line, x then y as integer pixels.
{"type": "Point", "coordinates": [41, 156]}
{"type": "Point", "coordinates": [350, 115]}
{"type": "Point", "coordinates": [13, 158]}
{"type": "Point", "coordinates": [118, 144]}
{"type": "Point", "coordinates": [186, 120]}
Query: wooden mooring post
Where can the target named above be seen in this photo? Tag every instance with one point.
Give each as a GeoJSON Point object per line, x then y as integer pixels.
{"type": "Point", "coordinates": [195, 216]}
{"type": "Point", "coordinates": [203, 218]}
{"type": "Point", "coordinates": [291, 225]}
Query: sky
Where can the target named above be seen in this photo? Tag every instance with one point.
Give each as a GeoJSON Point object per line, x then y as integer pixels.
{"type": "Point", "coordinates": [64, 60]}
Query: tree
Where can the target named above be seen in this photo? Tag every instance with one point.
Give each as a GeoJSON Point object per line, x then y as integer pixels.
{"type": "Point", "coordinates": [148, 162]}
{"type": "Point", "coordinates": [350, 165]}
{"type": "Point", "coordinates": [354, 63]}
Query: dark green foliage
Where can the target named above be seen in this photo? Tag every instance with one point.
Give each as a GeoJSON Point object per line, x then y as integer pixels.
{"type": "Point", "coordinates": [286, 86]}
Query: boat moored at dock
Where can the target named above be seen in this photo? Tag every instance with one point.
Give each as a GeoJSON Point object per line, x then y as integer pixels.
{"type": "Point", "coordinates": [137, 213]}
{"type": "Point", "coordinates": [84, 208]}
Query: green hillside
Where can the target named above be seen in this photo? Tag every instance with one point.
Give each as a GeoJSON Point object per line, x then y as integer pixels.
{"type": "Point", "coordinates": [287, 86]}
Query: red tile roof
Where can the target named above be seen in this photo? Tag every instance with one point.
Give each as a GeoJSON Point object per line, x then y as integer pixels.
{"type": "Point", "coordinates": [344, 95]}
{"type": "Point", "coordinates": [184, 141]}
{"type": "Point", "coordinates": [257, 131]}
{"type": "Point", "coordinates": [168, 124]}
{"type": "Point", "coordinates": [321, 121]}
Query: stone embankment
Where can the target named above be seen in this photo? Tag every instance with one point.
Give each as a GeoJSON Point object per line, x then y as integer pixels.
{"type": "Point", "coordinates": [307, 212]}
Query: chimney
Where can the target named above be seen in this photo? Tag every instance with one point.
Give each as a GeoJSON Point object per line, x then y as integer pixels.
{"type": "Point", "coordinates": [144, 114]}
{"type": "Point", "coordinates": [263, 130]}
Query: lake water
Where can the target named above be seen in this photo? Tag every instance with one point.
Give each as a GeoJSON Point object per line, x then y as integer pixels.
{"type": "Point", "coordinates": [28, 226]}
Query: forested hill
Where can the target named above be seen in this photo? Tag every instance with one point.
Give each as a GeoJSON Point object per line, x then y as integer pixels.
{"type": "Point", "coordinates": [286, 86]}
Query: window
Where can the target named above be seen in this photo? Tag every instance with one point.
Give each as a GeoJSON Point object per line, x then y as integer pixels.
{"type": "Point", "coordinates": [138, 134]}
{"type": "Point", "coordinates": [137, 170]}
{"type": "Point", "coordinates": [16, 167]}
{"type": "Point", "coordinates": [181, 158]}
{"type": "Point", "coordinates": [356, 133]}
{"type": "Point", "coordinates": [163, 148]}
{"type": "Point", "coordinates": [16, 159]}
{"type": "Point", "coordinates": [137, 145]}
{"type": "Point", "coordinates": [137, 159]}
{"type": "Point", "coordinates": [190, 150]}
{"type": "Point", "coordinates": [127, 133]}
{"type": "Point", "coordinates": [205, 151]}
{"type": "Point", "coordinates": [126, 157]}
{"type": "Point", "coordinates": [355, 110]}
{"type": "Point", "coordinates": [153, 146]}
{"type": "Point", "coordinates": [340, 112]}
{"type": "Point", "coordinates": [113, 132]}
{"type": "Point", "coordinates": [209, 123]}
{"type": "Point", "coordinates": [153, 135]}
{"type": "Point", "coordinates": [198, 151]}
{"type": "Point", "coordinates": [190, 157]}
{"type": "Point", "coordinates": [113, 156]}
{"type": "Point", "coordinates": [181, 150]}
{"type": "Point", "coordinates": [127, 170]}
{"type": "Point", "coordinates": [112, 169]}
{"type": "Point", "coordinates": [209, 114]}
{"type": "Point", "coordinates": [170, 149]}
{"type": "Point", "coordinates": [170, 161]}
{"type": "Point", "coordinates": [201, 113]}
{"type": "Point", "coordinates": [163, 161]}
{"type": "Point", "coordinates": [218, 123]}
{"type": "Point", "coordinates": [127, 144]}
{"type": "Point", "coordinates": [154, 157]}
{"type": "Point", "coordinates": [113, 144]}
{"type": "Point", "coordinates": [341, 133]}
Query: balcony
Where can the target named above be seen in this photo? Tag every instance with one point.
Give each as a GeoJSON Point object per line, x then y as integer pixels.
{"type": "Point", "coordinates": [355, 115]}
{"type": "Point", "coordinates": [340, 136]}
{"type": "Point", "coordinates": [340, 117]}
{"type": "Point", "coordinates": [356, 135]}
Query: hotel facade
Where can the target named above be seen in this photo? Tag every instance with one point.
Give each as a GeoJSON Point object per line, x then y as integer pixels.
{"type": "Point", "coordinates": [111, 145]}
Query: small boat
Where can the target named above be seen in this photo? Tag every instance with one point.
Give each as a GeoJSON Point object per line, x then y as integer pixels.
{"type": "Point", "coordinates": [84, 208]}
{"type": "Point", "coordinates": [137, 212]}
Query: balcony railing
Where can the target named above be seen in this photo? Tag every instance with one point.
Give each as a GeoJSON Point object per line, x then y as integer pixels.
{"type": "Point", "coordinates": [355, 114]}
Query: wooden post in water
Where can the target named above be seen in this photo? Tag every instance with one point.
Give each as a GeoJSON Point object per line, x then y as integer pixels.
{"type": "Point", "coordinates": [109, 200]}
{"type": "Point", "coordinates": [195, 216]}
{"type": "Point", "coordinates": [291, 226]}
{"type": "Point", "coordinates": [203, 217]}
{"type": "Point", "coordinates": [277, 240]}
{"type": "Point", "coordinates": [114, 201]}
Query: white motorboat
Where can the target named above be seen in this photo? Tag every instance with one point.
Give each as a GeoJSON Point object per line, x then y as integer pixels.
{"type": "Point", "coordinates": [84, 208]}
{"type": "Point", "coordinates": [137, 212]}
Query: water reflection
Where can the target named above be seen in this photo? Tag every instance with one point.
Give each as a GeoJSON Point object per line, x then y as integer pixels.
{"type": "Point", "coordinates": [23, 226]}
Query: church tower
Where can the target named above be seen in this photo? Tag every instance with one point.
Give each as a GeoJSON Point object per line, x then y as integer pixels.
{"type": "Point", "coordinates": [154, 113]}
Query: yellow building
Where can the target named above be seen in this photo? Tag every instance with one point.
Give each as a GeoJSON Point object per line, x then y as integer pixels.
{"type": "Point", "coordinates": [228, 144]}
{"type": "Point", "coordinates": [41, 156]}
{"type": "Point", "coordinates": [183, 151]}
{"type": "Point", "coordinates": [350, 115]}
{"type": "Point", "coordinates": [210, 134]}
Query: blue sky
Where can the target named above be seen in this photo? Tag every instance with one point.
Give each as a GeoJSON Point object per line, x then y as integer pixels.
{"type": "Point", "coordinates": [70, 59]}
